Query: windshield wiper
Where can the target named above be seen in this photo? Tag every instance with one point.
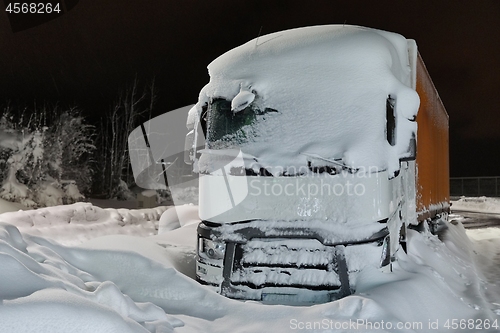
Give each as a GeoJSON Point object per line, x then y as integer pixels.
{"type": "Point", "coordinates": [334, 162]}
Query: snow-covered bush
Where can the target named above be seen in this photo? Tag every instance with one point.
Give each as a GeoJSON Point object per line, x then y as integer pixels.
{"type": "Point", "coordinates": [45, 158]}
{"type": "Point", "coordinates": [12, 189]}
{"type": "Point", "coordinates": [73, 141]}
{"type": "Point", "coordinates": [72, 193]}
{"type": "Point", "coordinates": [49, 194]}
{"type": "Point", "coordinates": [122, 192]}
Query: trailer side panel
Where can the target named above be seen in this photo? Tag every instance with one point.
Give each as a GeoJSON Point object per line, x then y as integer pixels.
{"type": "Point", "coordinates": [432, 163]}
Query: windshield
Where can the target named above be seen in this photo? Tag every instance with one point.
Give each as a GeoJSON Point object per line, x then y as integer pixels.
{"type": "Point", "coordinates": [226, 125]}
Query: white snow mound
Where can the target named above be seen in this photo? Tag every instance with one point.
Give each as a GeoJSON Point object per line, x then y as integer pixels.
{"type": "Point", "coordinates": [124, 283]}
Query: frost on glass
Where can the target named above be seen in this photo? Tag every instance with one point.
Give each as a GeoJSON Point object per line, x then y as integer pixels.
{"type": "Point", "coordinates": [223, 121]}
{"type": "Point", "coordinates": [230, 126]}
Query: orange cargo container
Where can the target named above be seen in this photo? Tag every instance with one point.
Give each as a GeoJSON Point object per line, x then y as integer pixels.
{"type": "Point", "coordinates": [432, 163]}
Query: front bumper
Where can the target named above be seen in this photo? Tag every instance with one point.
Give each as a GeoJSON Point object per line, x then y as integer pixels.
{"type": "Point", "coordinates": [282, 263]}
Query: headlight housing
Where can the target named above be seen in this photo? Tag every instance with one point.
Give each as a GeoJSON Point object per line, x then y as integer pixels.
{"type": "Point", "coordinates": [211, 249]}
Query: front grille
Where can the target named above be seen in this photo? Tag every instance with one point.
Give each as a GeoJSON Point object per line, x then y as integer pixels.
{"type": "Point", "coordinates": [306, 263]}
{"type": "Point", "coordinates": [293, 253]}
{"type": "Point", "coordinates": [263, 262]}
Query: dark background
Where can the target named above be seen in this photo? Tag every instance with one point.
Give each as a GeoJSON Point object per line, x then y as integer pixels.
{"type": "Point", "coordinates": [86, 56]}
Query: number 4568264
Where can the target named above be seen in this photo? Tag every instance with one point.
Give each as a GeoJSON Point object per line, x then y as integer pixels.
{"type": "Point", "coordinates": [32, 8]}
{"type": "Point", "coordinates": [471, 324]}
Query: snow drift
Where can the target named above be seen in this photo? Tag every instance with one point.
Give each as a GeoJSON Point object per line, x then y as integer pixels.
{"type": "Point", "coordinates": [124, 283]}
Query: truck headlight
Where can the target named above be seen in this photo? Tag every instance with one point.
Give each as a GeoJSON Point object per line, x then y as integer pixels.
{"type": "Point", "coordinates": [212, 249]}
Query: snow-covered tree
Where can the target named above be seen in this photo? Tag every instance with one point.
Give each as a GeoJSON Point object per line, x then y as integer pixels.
{"type": "Point", "coordinates": [71, 158]}
{"type": "Point", "coordinates": [46, 158]}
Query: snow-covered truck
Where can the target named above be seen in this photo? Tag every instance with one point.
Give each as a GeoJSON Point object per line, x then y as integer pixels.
{"type": "Point", "coordinates": [322, 145]}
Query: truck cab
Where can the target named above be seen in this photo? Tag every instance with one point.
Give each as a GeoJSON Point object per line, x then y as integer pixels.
{"type": "Point", "coordinates": [310, 142]}
{"type": "Point", "coordinates": [315, 149]}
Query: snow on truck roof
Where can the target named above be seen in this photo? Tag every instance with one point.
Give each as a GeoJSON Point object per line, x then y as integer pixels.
{"type": "Point", "coordinates": [329, 86]}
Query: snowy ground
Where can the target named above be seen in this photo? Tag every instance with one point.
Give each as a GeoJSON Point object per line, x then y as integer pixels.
{"type": "Point", "coordinates": [486, 242]}
{"type": "Point", "coordinates": [479, 204]}
{"type": "Point", "coordinates": [80, 268]}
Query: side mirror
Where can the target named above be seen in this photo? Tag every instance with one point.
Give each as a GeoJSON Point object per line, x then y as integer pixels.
{"type": "Point", "coordinates": [195, 138]}
{"type": "Point", "coordinates": [189, 151]}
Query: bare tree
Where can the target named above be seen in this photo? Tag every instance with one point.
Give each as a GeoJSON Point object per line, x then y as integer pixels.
{"type": "Point", "coordinates": [132, 107]}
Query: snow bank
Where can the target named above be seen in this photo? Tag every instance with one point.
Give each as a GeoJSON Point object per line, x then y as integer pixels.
{"type": "Point", "coordinates": [477, 204]}
{"type": "Point", "coordinates": [123, 283]}
{"type": "Point", "coordinates": [7, 206]}
{"type": "Point", "coordinates": [73, 224]}
{"type": "Point", "coordinates": [486, 243]}
{"type": "Point", "coordinates": [43, 292]}
{"type": "Point", "coordinates": [60, 311]}
{"type": "Point", "coordinates": [178, 216]}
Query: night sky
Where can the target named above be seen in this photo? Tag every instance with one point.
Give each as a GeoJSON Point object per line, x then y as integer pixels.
{"type": "Point", "coordinates": [87, 55]}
